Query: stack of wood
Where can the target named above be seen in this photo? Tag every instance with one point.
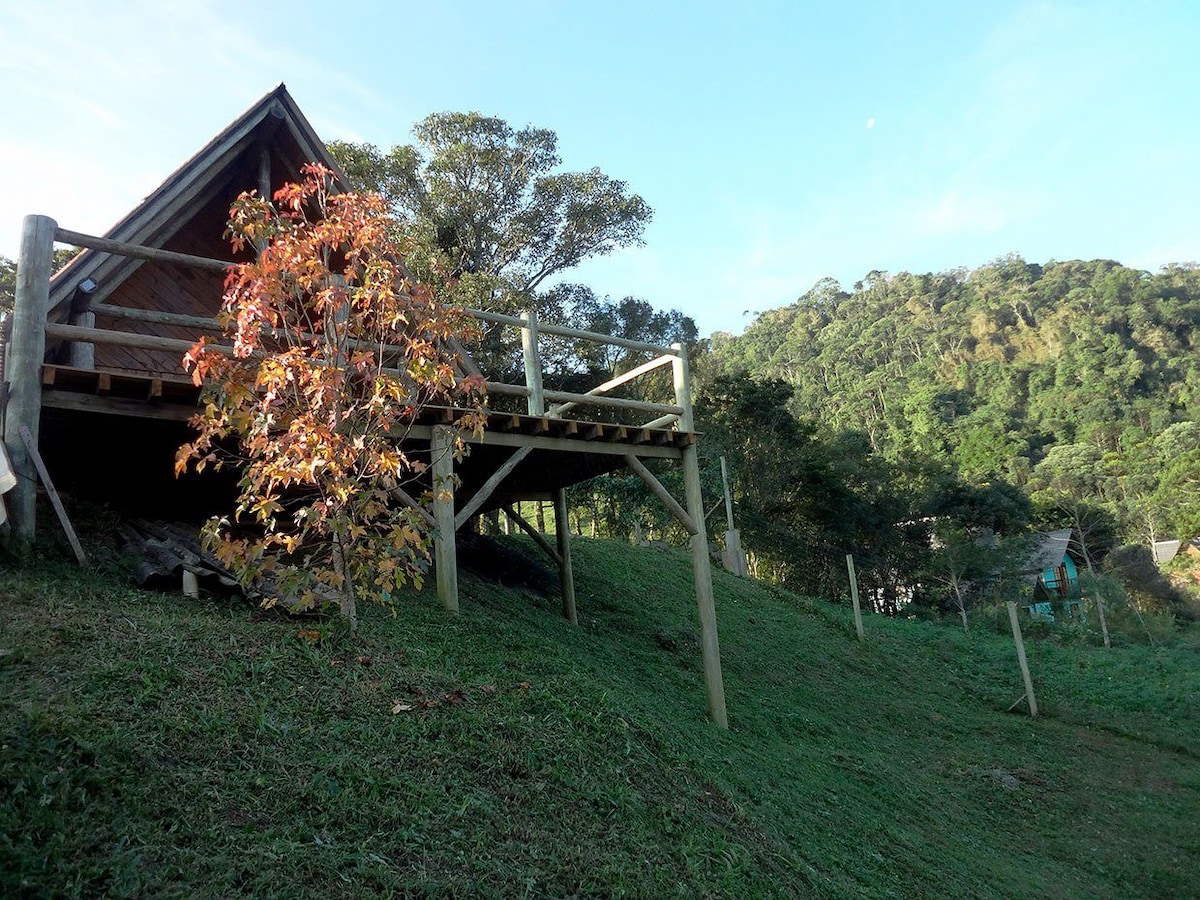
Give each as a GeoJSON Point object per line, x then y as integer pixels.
{"type": "Point", "coordinates": [163, 552]}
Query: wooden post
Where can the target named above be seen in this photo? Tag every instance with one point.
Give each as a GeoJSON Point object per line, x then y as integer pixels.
{"type": "Point", "coordinates": [733, 557]}
{"type": "Point", "coordinates": [562, 529]}
{"type": "Point", "coordinates": [52, 492]}
{"type": "Point", "coordinates": [683, 387]}
{"type": "Point", "coordinates": [24, 361]}
{"type": "Point", "coordinates": [858, 626]}
{"type": "Point", "coordinates": [533, 363]}
{"type": "Point", "coordinates": [1016, 630]}
{"type": "Point", "coordinates": [702, 571]}
{"type": "Point", "coordinates": [444, 547]}
{"type": "Point", "coordinates": [83, 354]}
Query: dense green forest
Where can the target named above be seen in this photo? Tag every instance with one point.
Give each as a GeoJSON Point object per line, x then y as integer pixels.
{"type": "Point", "coordinates": [1010, 396]}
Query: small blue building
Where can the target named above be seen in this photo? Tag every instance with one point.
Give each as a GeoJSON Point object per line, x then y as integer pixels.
{"type": "Point", "coordinates": [1055, 578]}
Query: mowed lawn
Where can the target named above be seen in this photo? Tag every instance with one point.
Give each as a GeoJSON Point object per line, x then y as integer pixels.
{"type": "Point", "coordinates": [155, 746]}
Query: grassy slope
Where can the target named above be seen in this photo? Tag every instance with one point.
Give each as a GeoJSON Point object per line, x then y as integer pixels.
{"type": "Point", "coordinates": [149, 744]}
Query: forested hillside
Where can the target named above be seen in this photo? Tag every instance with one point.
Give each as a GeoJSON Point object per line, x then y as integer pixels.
{"type": "Point", "coordinates": [1074, 385]}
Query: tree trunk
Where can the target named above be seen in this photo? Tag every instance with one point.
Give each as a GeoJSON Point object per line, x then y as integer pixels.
{"type": "Point", "coordinates": [346, 600]}
{"type": "Point", "coordinates": [541, 516]}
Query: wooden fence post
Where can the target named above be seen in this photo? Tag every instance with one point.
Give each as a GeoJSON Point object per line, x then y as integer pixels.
{"type": "Point", "coordinates": [858, 626]}
{"type": "Point", "coordinates": [733, 557]}
{"type": "Point", "coordinates": [444, 546]}
{"type": "Point", "coordinates": [23, 366]}
{"type": "Point", "coordinates": [566, 574]}
{"type": "Point", "coordinates": [1016, 630]}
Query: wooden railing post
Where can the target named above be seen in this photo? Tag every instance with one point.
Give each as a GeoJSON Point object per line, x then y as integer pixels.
{"type": "Point", "coordinates": [533, 362]}
{"type": "Point", "coordinates": [23, 366]}
{"type": "Point", "coordinates": [683, 387]}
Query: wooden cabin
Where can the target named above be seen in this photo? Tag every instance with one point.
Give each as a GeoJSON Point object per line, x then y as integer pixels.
{"type": "Point", "coordinates": [94, 377]}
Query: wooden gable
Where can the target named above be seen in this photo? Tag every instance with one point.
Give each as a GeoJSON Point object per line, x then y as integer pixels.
{"type": "Point", "coordinates": [262, 149]}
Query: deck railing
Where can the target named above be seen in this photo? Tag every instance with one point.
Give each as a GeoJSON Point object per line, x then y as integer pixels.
{"type": "Point", "coordinates": [82, 333]}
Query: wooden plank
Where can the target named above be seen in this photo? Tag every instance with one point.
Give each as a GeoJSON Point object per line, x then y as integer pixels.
{"type": "Point", "coordinates": [489, 486]}
{"type": "Point", "coordinates": [657, 488]}
{"type": "Point", "coordinates": [618, 434]}
{"type": "Point", "coordinates": [49, 376]}
{"type": "Point", "coordinates": [444, 543]}
{"type": "Point", "coordinates": [117, 406]}
{"type": "Point", "coordinates": [24, 356]}
{"type": "Point", "coordinates": [702, 572]}
{"type": "Point", "coordinates": [137, 251]}
{"type": "Point", "coordinates": [566, 574]}
{"type": "Point", "coordinates": [1021, 660]}
{"type": "Point", "coordinates": [566, 427]}
{"type": "Point", "coordinates": [103, 383]}
{"type": "Point", "coordinates": [639, 436]}
{"type": "Point", "coordinates": [55, 501]}
{"type": "Point", "coordinates": [155, 391]}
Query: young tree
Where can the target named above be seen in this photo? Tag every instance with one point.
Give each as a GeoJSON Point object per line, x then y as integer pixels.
{"type": "Point", "coordinates": [335, 349]}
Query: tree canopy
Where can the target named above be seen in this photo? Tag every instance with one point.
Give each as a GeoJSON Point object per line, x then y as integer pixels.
{"type": "Point", "coordinates": [488, 196]}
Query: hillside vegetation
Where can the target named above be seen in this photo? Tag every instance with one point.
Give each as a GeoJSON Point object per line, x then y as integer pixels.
{"type": "Point", "coordinates": [950, 405]}
{"type": "Point", "coordinates": [163, 747]}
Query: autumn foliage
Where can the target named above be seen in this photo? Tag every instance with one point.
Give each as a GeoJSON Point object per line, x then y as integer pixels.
{"type": "Point", "coordinates": [335, 350]}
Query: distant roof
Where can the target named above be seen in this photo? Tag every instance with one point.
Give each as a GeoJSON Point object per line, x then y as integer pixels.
{"type": "Point", "coordinates": [275, 121]}
{"type": "Point", "coordinates": [1048, 550]}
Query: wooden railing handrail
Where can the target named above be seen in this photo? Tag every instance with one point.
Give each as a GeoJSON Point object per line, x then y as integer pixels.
{"type": "Point", "coordinates": [564, 331]}
{"type": "Point", "coordinates": [676, 354]}
{"type": "Point", "coordinates": [138, 251]}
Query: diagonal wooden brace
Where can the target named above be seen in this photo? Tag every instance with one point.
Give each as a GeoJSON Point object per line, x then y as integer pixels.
{"type": "Point", "coordinates": [489, 487]}
{"type": "Point", "coordinates": [662, 493]}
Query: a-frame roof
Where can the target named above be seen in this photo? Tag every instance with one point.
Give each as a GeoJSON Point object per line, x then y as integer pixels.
{"type": "Point", "coordinates": [274, 125]}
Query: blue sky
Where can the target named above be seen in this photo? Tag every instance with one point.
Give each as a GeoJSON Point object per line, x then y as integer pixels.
{"type": "Point", "coordinates": [778, 142]}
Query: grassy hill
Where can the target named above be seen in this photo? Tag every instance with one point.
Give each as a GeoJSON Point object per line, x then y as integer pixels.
{"type": "Point", "coordinates": [155, 746]}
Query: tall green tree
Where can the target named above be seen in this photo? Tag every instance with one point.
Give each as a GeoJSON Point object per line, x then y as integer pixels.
{"type": "Point", "coordinates": [488, 195]}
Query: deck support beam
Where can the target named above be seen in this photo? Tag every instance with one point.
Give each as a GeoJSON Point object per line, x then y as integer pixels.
{"type": "Point", "coordinates": [706, 605]}
{"type": "Point", "coordinates": [444, 546]}
{"type": "Point", "coordinates": [23, 366]}
{"type": "Point", "coordinates": [566, 575]}
{"type": "Point", "coordinates": [701, 565]}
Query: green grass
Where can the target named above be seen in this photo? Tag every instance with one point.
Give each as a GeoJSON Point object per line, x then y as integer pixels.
{"type": "Point", "coordinates": [154, 746]}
